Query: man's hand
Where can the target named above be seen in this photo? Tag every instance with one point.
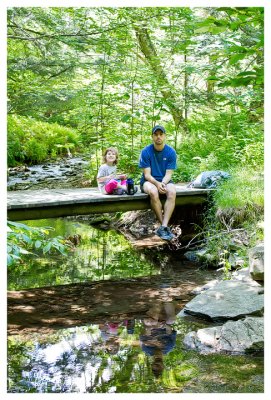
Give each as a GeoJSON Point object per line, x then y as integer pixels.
{"type": "Point", "coordinates": [162, 187]}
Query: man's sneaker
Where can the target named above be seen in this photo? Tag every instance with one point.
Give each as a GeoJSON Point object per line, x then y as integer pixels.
{"type": "Point", "coordinates": [170, 233]}
{"type": "Point", "coordinates": [164, 233]}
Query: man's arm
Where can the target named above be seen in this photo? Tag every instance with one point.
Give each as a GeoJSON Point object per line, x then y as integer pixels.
{"type": "Point", "coordinates": [161, 186]}
{"type": "Point", "coordinates": [148, 176]}
{"type": "Point", "coordinates": [168, 176]}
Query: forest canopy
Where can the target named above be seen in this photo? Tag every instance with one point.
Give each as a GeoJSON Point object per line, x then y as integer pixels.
{"type": "Point", "coordinates": [93, 77]}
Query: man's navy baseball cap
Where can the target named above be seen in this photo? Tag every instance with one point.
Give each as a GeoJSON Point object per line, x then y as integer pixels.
{"type": "Point", "coordinates": [158, 127]}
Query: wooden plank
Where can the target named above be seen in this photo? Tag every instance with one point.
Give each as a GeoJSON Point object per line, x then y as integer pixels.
{"type": "Point", "coordinates": [38, 204]}
{"type": "Point", "coordinates": [148, 242]}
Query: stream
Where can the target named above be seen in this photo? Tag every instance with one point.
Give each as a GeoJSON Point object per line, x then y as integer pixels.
{"type": "Point", "coordinates": [108, 353]}
{"type": "Point", "coordinates": [64, 173]}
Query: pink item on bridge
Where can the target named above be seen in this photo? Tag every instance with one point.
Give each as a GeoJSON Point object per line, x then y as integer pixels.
{"type": "Point", "coordinates": [111, 185]}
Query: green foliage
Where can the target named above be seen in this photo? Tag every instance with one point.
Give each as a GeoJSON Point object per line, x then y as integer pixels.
{"type": "Point", "coordinates": [245, 189]}
{"type": "Point", "coordinates": [100, 255]}
{"type": "Point", "coordinates": [33, 141]}
{"type": "Point", "coordinates": [233, 222]}
{"type": "Point", "coordinates": [65, 67]}
{"type": "Point", "coordinates": [220, 141]}
{"type": "Point", "coordinates": [23, 240]}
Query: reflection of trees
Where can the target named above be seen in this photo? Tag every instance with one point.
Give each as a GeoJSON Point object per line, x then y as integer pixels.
{"type": "Point", "coordinates": [29, 371]}
{"type": "Point", "coordinates": [121, 371]}
{"type": "Point", "coordinates": [101, 255]}
{"type": "Point", "coordinates": [88, 367]}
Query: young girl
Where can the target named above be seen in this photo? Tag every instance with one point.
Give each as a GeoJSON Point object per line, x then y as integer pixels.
{"type": "Point", "coordinates": [108, 180]}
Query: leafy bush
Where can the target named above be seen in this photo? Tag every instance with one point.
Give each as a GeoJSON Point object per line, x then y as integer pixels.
{"type": "Point", "coordinates": [32, 141]}
{"type": "Point", "coordinates": [244, 189]}
{"type": "Point", "coordinates": [14, 151]}
{"type": "Point", "coordinates": [219, 141]}
{"type": "Point", "coordinates": [233, 222]}
{"type": "Point", "coordinates": [23, 240]}
{"type": "Point", "coordinates": [35, 150]}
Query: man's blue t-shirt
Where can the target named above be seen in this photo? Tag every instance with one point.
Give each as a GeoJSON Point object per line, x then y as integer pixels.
{"type": "Point", "coordinates": [158, 161]}
{"type": "Point", "coordinates": [163, 340]}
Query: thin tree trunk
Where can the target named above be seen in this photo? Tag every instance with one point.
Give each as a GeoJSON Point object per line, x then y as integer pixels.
{"type": "Point", "coordinates": [154, 61]}
{"type": "Point", "coordinates": [185, 88]}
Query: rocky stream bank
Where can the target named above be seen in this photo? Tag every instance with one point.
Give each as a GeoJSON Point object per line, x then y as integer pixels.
{"type": "Point", "coordinates": [235, 304]}
{"type": "Point", "coordinates": [64, 173]}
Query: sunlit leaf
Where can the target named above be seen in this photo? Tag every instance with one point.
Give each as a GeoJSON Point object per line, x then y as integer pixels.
{"type": "Point", "coordinates": [126, 118]}
{"type": "Point", "coordinates": [37, 244]}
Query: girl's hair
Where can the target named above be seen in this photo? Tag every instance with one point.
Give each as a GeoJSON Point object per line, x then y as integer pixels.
{"type": "Point", "coordinates": [114, 150]}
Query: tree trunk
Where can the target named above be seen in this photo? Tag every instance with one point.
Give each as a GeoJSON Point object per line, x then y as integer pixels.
{"type": "Point", "coordinates": [186, 76]}
{"type": "Point", "coordinates": [154, 61]}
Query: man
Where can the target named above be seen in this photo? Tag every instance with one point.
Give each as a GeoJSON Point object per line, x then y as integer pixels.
{"type": "Point", "coordinates": [159, 337]}
{"type": "Point", "coordinates": [158, 161]}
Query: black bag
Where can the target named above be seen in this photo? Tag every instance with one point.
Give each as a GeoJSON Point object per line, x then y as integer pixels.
{"type": "Point", "coordinates": [130, 186]}
{"type": "Point", "coordinates": [208, 179]}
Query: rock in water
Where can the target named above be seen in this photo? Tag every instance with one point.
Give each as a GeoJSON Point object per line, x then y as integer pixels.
{"type": "Point", "coordinates": [256, 262]}
{"type": "Point", "coordinates": [227, 300]}
{"type": "Point", "coordinates": [236, 337]}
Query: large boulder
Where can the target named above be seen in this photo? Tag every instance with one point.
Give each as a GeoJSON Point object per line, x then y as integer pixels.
{"type": "Point", "coordinates": [256, 262]}
{"type": "Point", "coordinates": [227, 300]}
{"type": "Point", "coordinates": [200, 289]}
{"type": "Point", "coordinates": [236, 337]}
{"type": "Point", "coordinates": [244, 276]}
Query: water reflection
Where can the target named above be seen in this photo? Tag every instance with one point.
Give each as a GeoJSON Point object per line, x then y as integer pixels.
{"type": "Point", "coordinates": [159, 336]}
{"type": "Point", "coordinates": [111, 357]}
{"type": "Point", "coordinates": [141, 354]}
{"type": "Point", "coordinates": [100, 255]}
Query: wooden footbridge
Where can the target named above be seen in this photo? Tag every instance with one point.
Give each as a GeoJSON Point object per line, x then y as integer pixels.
{"type": "Point", "coordinates": [51, 203]}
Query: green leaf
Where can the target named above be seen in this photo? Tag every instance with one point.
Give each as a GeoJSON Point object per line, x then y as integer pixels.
{"type": "Point", "coordinates": [236, 82]}
{"type": "Point", "coordinates": [236, 57]}
{"type": "Point", "coordinates": [23, 251]}
{"type": "Point", "coordinates": [19, 225]}
{"type": "Point", "coordinates": [218, 29]}
{"type": "Point", "coordinates": [234, 25]}
{"type": "Point", "coordinates": [203, 29]}
{"type": "Point", "coordinates": [237, 49]}
{"type": "Point", "coordinates": [37, 244]}
{"type": "Point", "coordinates": [47, 248]}
{"type": "Point", "coordinates": [26, 238]}
{"type": "Point", "coordinates": [213, 78]}
{"type": "Point", "coordinates": [10, 260]}
{"type": "Point", "coordinates": [126, 118]}
{"type": "Point", "coordinates": [248, 73]}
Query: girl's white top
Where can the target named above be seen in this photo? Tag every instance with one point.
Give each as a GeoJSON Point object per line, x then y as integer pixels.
{"type": "Point", "coordinates": [105, 170]}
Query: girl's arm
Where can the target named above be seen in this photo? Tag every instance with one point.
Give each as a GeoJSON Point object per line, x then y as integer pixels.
{"type": "Point", "coordinates": [105, 178]}
{"type": "Point", "coordinates": [121, 176]}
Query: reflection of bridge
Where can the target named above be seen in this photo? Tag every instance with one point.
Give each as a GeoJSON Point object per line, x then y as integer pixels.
{"type": "Point", "coordinates": [38, 204]}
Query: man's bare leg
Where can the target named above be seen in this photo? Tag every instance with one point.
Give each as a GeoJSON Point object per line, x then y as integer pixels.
{"type": "Point", "coordinates": [169, 204]}
{"type": "Point", "coordinates": [156, 204]}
